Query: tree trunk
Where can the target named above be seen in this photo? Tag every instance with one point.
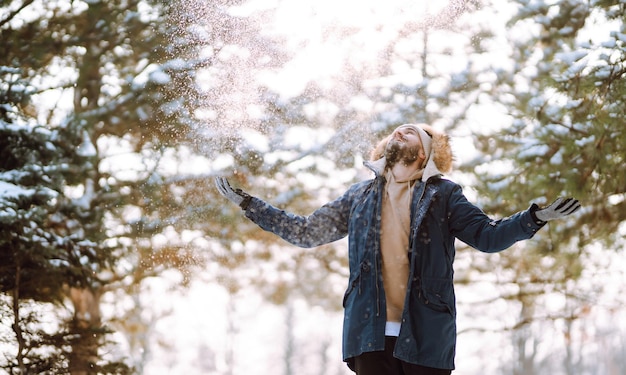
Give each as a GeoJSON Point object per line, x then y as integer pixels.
{"type": "Point", "coordinates": [21, 345]}
{"type": "Point", "coordinates": [86, 329]}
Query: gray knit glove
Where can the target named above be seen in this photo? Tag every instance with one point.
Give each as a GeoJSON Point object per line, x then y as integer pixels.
{"type": "Point", "coordinates": [237, 196]}
{"type": "Point", "coordinates": [558, 209]}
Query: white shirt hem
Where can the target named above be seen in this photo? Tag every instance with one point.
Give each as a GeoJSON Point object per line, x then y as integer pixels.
{"type": "Point", "coordinates": [392, 329]}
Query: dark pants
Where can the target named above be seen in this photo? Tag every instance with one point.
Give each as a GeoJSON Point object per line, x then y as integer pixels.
{"type": "Point", "coordinates": [384, 363]}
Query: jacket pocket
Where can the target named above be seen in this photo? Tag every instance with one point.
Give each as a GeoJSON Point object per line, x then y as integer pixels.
{"type": "Point", "coordinates": [438, 295]}
{"type": "Point", "coordinates": [351, 287]}
{"type": "Point", "coordinates": [355, 281]}
{"type": "Point", "coordinates": [436, 302]}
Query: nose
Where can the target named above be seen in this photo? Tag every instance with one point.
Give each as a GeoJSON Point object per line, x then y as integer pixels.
{"type": "Point", "coordinates": [399, 133]}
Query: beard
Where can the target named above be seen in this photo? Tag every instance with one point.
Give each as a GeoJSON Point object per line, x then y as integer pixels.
{"type": "Point", "coordinates": [397, 152]}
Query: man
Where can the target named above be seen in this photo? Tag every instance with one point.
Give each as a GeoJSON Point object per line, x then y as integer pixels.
{"type": "Point", "coordinates": [400, 311]}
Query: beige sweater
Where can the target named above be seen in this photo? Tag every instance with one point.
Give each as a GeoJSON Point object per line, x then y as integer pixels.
{"type": "Point", "coordinates": [394, 241]}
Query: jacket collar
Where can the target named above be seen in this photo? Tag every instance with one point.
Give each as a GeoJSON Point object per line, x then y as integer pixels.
{"type": "Point", "coordinates": [378, 167]}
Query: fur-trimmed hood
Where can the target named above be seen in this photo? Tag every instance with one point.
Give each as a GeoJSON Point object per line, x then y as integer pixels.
{"type": "Point", "coordinates": [439, 159]}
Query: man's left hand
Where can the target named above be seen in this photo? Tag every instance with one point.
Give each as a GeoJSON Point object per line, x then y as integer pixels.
{"type": "Point", "coordinates": [558, 209]}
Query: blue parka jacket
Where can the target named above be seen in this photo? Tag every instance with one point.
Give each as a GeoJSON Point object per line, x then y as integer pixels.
{"type": "Point", "coordinates": [439, 214]}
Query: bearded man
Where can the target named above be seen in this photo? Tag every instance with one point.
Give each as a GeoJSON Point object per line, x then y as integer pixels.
{"type": "Point", "coordinates": [399, 306]}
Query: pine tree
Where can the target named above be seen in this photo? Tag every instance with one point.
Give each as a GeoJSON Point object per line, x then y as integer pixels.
{"type": "Point", "coordinates": [567, 135]}
{"type": "Point", "coordinates": [564, 95]}
{"type": "Point", "coordinates": [36, 260]}
{"type": "Point", "coordinates": [93, 76]}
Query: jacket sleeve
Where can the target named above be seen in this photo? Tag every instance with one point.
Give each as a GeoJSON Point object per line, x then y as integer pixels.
{"type": "Point", "coordinates": [471, 225]}
{"type": "Point", "coordinates": [327, 224]}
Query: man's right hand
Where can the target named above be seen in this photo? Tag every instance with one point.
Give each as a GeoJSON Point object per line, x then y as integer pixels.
{"type": "Point", "coordinates": [237, 196]}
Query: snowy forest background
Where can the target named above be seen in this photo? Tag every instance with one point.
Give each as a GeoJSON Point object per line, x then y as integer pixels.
{"type": "Point", "coordinates": [118, 256]}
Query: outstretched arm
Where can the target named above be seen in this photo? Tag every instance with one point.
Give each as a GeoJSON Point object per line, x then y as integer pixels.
{"type": "Point", "coordinates": [327, 224]}
{"type": "Point", "coordinates": [472, 226]}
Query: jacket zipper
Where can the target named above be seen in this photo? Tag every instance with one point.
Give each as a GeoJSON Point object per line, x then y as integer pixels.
{"type": "Point", "coordinates": [413, 235]}
{"type": "Point", "coordinates": [378, 254]}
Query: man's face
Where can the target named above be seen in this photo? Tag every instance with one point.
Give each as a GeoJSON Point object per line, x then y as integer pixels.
{"type": "Point", "coordinates": [404, 146]}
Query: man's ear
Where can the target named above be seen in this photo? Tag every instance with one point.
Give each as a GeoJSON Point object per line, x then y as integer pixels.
{"type": "Point", "coordinates": [421, 155]}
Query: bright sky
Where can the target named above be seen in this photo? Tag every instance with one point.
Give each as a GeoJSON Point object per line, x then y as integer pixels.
{"type": "Point", "coordinates": [327, 33]}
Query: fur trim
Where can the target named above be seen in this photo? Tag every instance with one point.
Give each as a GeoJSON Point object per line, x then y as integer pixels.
{"type": "Point", "coordinates": [441, 157]}
{"type": "Point", "coordinates": [441, 150]}
{"type": "Point", "coordinates": [379, 151]}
